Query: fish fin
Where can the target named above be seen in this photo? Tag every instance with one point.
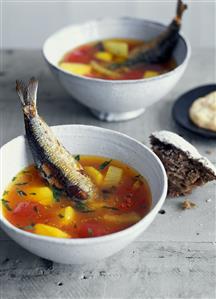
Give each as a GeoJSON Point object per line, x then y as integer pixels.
{"type": "Point", "coordinates": [181, 7]}
{"type": "Point", "coordinates": [28, 95]}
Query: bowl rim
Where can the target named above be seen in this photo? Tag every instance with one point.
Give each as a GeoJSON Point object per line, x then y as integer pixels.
{"type": "Point", "coordinates": [105, 238]}
{"type": "Point", "coordinates": [106, 81]}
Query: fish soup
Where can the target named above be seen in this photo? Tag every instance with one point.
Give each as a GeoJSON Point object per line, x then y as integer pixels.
{"type": "Point", "coordinates": [122, 199]}
{"type": "Point", "coordinates": [99, 60]}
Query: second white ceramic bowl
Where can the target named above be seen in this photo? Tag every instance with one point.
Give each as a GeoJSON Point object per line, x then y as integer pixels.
{"type": "Point", "coordinates": [112, 100]}
{"type": "Point", "coordinates": [79, 139]}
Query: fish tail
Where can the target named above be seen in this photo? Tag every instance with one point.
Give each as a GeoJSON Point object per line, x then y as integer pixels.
{"type": "Point", "coordinates": [28, 96]}
{"type": "Point", "coordinates": [181, 7]}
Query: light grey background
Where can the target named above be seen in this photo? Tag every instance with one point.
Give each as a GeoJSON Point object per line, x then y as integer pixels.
{"type": "Point", "coordinates": [26, 24]}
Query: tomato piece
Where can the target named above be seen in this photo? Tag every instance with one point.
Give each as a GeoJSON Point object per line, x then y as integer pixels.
{"type": "Point", "coordinates": [81, 55]}
{"type": "Point", "coordinates": [27, 211]}
{"type": "Point", "coordinates": [131, 200]}
{"type": "Point", "coordinates": [91, 229]}
{"type": "Point", "coordinates": [133, 74]}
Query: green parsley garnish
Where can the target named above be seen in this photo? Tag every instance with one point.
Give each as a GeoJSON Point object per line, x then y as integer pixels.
{"type": "Point", "coordinates": [81, 207]}
{"type": "Point", "coordinates": [31, 226]}
{"type": "Point", "coordinates": [21, 184]}
{"type": "Point", "coordinates": [56, 194]}
{"type": "Point", "coordinates": [32, 193]}
{"type": "Point", "coordinates": [90, 232]}
{"type": "Point", "coordinates": [77, 157]}
{"type": "Point", "coordinates": [14, 178]}
{"type": "Point", "coordinates": [21, 193]}
{"type": "Point", "coordinates": [25, 171]}
{"type": "Point", "coordinates": [6, 205]}
{"type": "Point", "coordinates": [111, 208]}
{"type": "Point", "coordinates": [5, 192]}
{"type": "Point", "coordinates": [104, 164]}
{"type": "Point", "coordinates": [35, 208]}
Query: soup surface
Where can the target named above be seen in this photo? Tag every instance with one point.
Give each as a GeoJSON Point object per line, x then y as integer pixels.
{"type": "Point", "coordinates": [124, 198]}
{"type": "Point", "coordinates": [92, 60]}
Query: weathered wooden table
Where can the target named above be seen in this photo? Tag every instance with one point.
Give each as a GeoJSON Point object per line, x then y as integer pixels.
{"type": "Point", "coordinates": [174, 258]}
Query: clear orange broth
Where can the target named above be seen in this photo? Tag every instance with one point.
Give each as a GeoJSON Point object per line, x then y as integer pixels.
{"type": "Point", "coordinates": [123, 199]}
{"type": "Point", "coordinates": [86, 53]}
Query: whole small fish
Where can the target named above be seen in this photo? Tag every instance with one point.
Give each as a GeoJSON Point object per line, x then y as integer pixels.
{"type": "Point", "coordinates": [58, 167]}
{"type": "Point", "coordinates": [160, 48]}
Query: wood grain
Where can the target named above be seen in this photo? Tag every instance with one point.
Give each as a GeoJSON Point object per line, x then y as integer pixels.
{"type": "Point", "coordinates": [143, 270]}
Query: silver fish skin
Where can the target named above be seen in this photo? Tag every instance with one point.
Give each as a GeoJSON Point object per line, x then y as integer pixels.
{"type": "Point", "coordinates": [56, 165]}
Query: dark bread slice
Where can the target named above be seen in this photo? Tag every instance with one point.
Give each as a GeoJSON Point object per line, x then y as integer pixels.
{"type": "Point", "coordinates": [185, 167]}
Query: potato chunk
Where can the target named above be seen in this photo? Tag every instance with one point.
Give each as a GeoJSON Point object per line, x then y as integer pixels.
{"type": "Point", "coordinates": [123, 219]}
{"type": "Point", "coordinates": [113, 177]}
{"type": "Point", "coordinates": [76, 68]}
{"type": "Point", "coordinates": [150, 74]}
{"type": "Point", "coordinates": [42, 195]}
{"type": "Point", "coordinates": [96, 204]}
{"type": "Point", "coordinates": [67, 215]}
{"type": "Point", "coordinates": [104, 56]}
{"type": "Point", "coordinates": [50, 231]}
{"type": "Point", "coordinates": [94, 174]}
{"type": "Point", "coordinates": [117, 48]}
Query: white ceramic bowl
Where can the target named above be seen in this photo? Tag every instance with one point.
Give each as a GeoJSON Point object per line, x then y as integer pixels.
{"type": "Point", "coordinates": [80, 139]}
{"type": "Point", "coordinates": [112, 100]}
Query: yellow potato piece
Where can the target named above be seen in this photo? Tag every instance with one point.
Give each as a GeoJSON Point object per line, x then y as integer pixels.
{"type": "Point", "coordinates": [43, 195]}
{"type": "Point", "coordinates": [95, 204]}
{"type": "Point", "coordinates": [113, 177]}
{"type": "Point", "coordinates": [76, 68]}
{"type": "Point", "coordinates": [116, 48]}
{"type": "Point", "coordinates": [50, 231]}
{"type": "Point", "coordinates": [150, 74]}
{"type": "Point", "coordinates": [67, 215]}
{"type": "Point", "coordinates": [94, 174]}
{"type": "Point", "coordinates": [122, 219]}
{"type": "Point", "coordinates": [105, 56]}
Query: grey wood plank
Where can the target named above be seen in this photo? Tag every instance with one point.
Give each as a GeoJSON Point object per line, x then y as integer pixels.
{"type": "Point", "coordinates": [143, 270]}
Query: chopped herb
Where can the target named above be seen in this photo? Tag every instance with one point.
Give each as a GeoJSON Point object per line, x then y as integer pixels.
{"type": "Point", "coordinates": [90, 232]}
{"type": "Point", "coordinates": [107, 192]}
{"type": "Point", "coordinates": [104, 164]}
{"type": "Point", "coordinates": [14, 178]}
{"type": "Point", "coordinates": [21, 184]}
{"type": "Point", "coordinates": [99, 46]}
{"type": "Point", "coordinates": [111, 208]}
{"type": "Point", "coordinates": [32, 193]}
{"type": "Point", "coordinates": [6, 205]}
{"type": "Point", "coordinates": [61, 216]}
{"type": "Point", "coordinates": [25, 171]}
{"type": "Point", "coordinates": [35, 208]}
{"type": "Point", "coordinates": [31, 226]}
{"type": "Point", "coordinates": [81, 207]}
{"type": "Point", "coordinates": [77, 157]}
{"type": "Point", "coordinates": [56, 194]}
{"type": "Point", "coordinates": [5, 192]}
{"type": "Point", "coordinates": [21, 193]}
